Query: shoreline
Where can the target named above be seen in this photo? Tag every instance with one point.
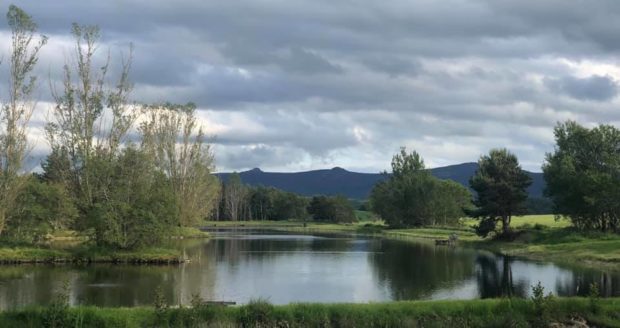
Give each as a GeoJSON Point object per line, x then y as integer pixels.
{"type": "Point", "coordinates": [80, 252]}
{"type": "Point", "coordinates": [557, 245]}
{"type": "Point", "coordinates": [547, 312]}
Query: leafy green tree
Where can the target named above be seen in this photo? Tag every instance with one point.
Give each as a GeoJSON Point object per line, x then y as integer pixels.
{"type": "Point", "coordinates": [331, 209]}
{"type": "Point", "coordinates": [261, 202]}
{"type": "Point", "coordinates": [140, 206]}
{"type": "Point", "coordinates": [450, 202]}
{"type": "Point", "coordinates": [288, 206]}
{"type": "Point", "coordinates": [16, 111]}
{"type": "Point", "coordinates": [405, 198]}
{"type": "Point", "coordinates": [501, 190]}
{"type": "Point", "coordinates": [57, 166]}
{"type": "Point", "coordinates": [411, 196]}
{"type": "Point", "coordinates": [78, 126]}
{"type": "Point", "coordinates": [539, 205]}
{"type": "Point", "coordinates": [583, 175]}
{"type": "Point", "coordinates": [40, 208]}
{"type": "Point", "coordinates": [176, 141]}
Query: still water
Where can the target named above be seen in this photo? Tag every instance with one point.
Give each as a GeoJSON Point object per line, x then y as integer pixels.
{"type": "Point", "coordinates": [239, 265]}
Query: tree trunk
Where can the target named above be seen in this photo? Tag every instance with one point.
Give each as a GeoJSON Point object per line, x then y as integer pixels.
{"type": "Point", "coordinates": [505, 224]}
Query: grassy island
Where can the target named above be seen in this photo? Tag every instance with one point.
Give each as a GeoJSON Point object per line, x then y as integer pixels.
{"type": "Point", "coordinates": [69, 247]}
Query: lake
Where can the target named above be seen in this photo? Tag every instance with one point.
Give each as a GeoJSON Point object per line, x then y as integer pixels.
{"type": "Point", "coordinates": [240, 265]}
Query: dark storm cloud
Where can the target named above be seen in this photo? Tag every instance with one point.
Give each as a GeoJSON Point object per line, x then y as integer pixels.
{"type": "Point", "coordinates": [293, 84]}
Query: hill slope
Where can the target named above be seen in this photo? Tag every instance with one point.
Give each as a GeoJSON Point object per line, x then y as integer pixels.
{"type": "Point", "coordinates": [338, 181]}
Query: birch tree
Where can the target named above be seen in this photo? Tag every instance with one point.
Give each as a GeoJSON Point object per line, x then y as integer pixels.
{"type": "Point", "coordinates": [91, 118]}
{"type": "Point", "coordinates": [173, 137]}
{"type": "Point", "coordinates": [16, 111]}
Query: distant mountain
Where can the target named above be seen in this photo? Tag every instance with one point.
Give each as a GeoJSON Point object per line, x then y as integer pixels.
{"type": "Point", "coordinates": [338, 181]}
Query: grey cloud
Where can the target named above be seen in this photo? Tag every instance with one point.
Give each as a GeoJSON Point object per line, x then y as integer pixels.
{"type": "Point", "coordinates": [303, 61]}
{"type": "Point", "coordinates": [243, 157]}
{"type": "Point", "coordinates": [324, 80]}
{"type": "Point", "coordinates": [393, 66]}
{"type": "Point", "coordinates": [597, 88]}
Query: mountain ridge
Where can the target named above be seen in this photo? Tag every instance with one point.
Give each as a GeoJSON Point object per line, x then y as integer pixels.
{"type": "Point", "coordinates": [356, 185]}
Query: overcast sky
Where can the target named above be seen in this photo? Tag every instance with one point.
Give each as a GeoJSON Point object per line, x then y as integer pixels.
{"type": "Point", "coordinates": [296, 85]}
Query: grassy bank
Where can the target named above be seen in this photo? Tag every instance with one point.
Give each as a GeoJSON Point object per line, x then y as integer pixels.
{"type": "Point", "coordinates": [69, 247]}
{"type": "Point", "coordinates": [475, 313]}
{"type": "Point", "coordinates": [88, 254]}
{"type": "Point", "coordinates": [562, 245]}
{"type": "Point", "coordinates": [188, 232]}
{"type": "Point", "coordinates": [541, 237]}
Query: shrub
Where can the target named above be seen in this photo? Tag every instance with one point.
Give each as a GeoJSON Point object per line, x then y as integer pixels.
{"type": "Point", "coordinates": [257, 313]}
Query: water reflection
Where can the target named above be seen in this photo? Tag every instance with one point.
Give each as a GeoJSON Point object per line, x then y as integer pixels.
{"type": "Point", "coordinates": [241, 265]}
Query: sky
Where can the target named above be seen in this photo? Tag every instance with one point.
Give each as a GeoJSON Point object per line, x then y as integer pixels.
{"type": "Point", "coordinates": [289, 85]}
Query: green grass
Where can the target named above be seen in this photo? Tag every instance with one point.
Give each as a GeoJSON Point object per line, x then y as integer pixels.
{"type": "Point", "coordinates": [542, 237]}
{"type": "Point", "coordinates": [144, 255]}
{"type": "Point", "coordinates": [188, 232]}
{"type": "Point", "coordinates": [473, 313]}
{"type": "Point", "coordinates": [17, 254]}
{"type": "Point", "coordinates": [365, 216]}
{"type": "Point", "coordinates": [547, 220]}
{"type": "Point", "coordinates": [564, 245]}
{"type": "Point", "coordinates": [83, 253]}
{"type": "Point", "coordinates": [256, 223]}
{"type": "Point", "coordinates": [464, 234]}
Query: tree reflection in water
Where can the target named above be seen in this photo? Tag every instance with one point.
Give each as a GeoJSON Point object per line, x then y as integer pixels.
{"type": "Point", "coordinates": [495, 278]}
{"type": "Point", "coordinates": [416, 270]}
{"type": "Point", "coordinates": [241, 265]}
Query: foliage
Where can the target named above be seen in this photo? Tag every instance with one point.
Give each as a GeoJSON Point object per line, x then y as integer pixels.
{"type": "Point", "coordinates": [242, 202]}
{"type": "Point", "coordinates": [331, 209]}
{"type": "Point", "coordinates": [543, 306]}
{"type": "Point", "coordinates": [188, 164]}
{"type": "Point", "coordinates": [40, 208]}
{"type": "Point", "coordinates": [257, 313]}
{"type": "Point", "coordinates": [594, 295]}
{"type": "Point", "coordinates": [500, 185]}
{"type": "Point", "coordinates": [16, 111]}
{"type": "Point", "coordinates": [471, 313]}
{"type": "Point", "coordinates": [56, 314]}
{"type": "Point", "coordinates": [411, 196]}
{"type": "Point", "coordinates": [583, 175]}
{"type": "Point", "coordinates": [139, 207]}
{"type": "Point", "coordinates": [538, 205]}
{"type": "Point", "coordinates": [160, 304]}
{"type": "Point", "coordinates": [77, 127]}
{"type": "Point", "coordinates": [234, 195]}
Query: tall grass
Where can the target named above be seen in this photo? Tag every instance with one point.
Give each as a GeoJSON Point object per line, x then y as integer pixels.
{"type": "Point", "coordinates": [475, 313]}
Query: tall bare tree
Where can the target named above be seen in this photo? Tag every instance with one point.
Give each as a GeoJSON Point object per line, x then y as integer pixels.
{"type": "Point", "coordinates": [176, 141]}
{"type": "Point", "coordinates": [16, 112]}
{"type": "Point", "coordinates": [235, 194]}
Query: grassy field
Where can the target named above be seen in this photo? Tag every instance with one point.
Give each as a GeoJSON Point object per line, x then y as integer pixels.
{"type": "Point", "coordinates": [547, 220]}
{"type": "Point", "coordinates": [561, 312]}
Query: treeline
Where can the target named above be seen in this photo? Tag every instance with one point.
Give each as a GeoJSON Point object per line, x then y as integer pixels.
{"type": "Point", "coordinates": [582, 178]}
{"type": "Point", "coordinates": [119, 172]}
{"type": "Point", "coordinates": [240, 202]}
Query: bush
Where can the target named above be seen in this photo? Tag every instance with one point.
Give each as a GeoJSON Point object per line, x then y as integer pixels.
{"type": "Point", "coordinates": [542, 303]}
{"type": "Point", "coordinates": [257, 313]}
{"type": "Point", "coordinates": [332, 209]}
{"type": "Point", "coordinates": [56, 314]}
